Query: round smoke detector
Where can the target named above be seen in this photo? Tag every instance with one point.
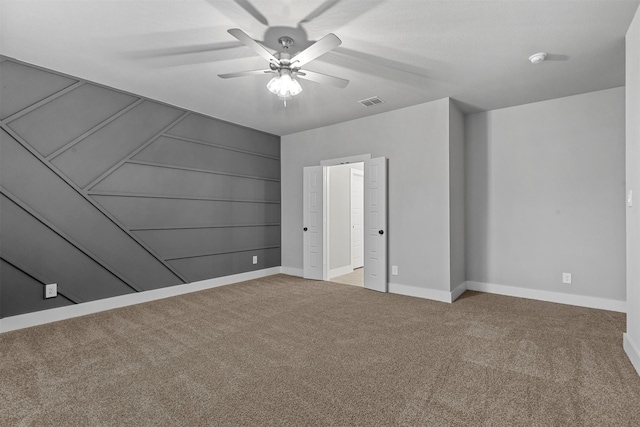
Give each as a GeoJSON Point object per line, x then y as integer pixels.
{"type": "Point", "coordinates": [537, 58]}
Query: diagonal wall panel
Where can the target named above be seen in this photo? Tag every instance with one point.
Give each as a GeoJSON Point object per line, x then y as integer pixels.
{"type": "Point", "coordinates": [205, 129]}
{"type": "Point", "coordinates": [154, 180]}
{"type": "Point", "coordinates": [201, 156]}
{"type": "Point", "coordinates": [95, 154]}
{"type": "Point", "coordinates": [21, 293]}
{"type": "Point", "coordinates": [205, 267]}
{"type": "Point", "coordinates": [38, 187]}
{"type": "Point", "coordinates": [23, 86]}
{"type": "Point", "coordinates": [97, 182]}
{"type": "Point", "coordinates": [79, 112]}
{"type": "Point", "coordinates": [31, 243]}
{"type": "Point", "coordinates": [186, 242]}
{"type": "Point", "coordinates": [145, 212]}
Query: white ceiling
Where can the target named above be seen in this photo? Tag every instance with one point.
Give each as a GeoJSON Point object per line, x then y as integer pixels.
{"type": "Point", "coordinates": [405, 51]}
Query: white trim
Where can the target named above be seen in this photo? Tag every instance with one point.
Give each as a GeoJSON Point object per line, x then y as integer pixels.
{"type": "Point", "coordinates": [413, 291]}
{"type": "Point", "coordinates": [458, 290]}
{"type": "Point", "coordinates": [340, 271]}
{"type": "Point", "coordinates": [557, 297]}
{"type": "Point", "coordinates": [344, 160]}
{"type": "Point", "coordinates": [632, 350]}
{"type": "Point", "coordinates": [292, 271]}
{"type": "Point", "coordinates": [326, 238]}
{"type": "Point", "coordinates": [61, 313]}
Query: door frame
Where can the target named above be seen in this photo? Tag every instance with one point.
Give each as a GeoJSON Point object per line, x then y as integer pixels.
{"type": "Point", "coordinates": [360, 173]}
{"type": "Point", "coordinates": [325, 238]}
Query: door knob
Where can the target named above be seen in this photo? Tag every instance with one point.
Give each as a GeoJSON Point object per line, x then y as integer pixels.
{"type": "Point", "coordinates": [304, 229]}
{"type": "Point", "coordinates": [381, 232]}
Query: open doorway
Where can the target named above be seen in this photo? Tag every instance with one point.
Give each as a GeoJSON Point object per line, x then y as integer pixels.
{"type": "Point", "coordinates": [345, 223]}
{"type": "Point", "coordinates": [315, 217]}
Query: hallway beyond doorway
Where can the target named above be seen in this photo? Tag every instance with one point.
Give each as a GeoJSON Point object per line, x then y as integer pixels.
{"type": "Point", "coordinates": [356, 278]}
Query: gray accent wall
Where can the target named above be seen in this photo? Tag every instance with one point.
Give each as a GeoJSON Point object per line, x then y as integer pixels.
{"type": "Point", "coordinates": [415, 140]}
{"type": "Point", "coordinates": [633, 183]}
{"type": "Point", "coordinates": [106, 193]}
{"type": "Point", "coordinates": [545, 195]}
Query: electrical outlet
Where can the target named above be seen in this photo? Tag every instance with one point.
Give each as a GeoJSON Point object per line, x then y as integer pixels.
{"type": "Point", "coordinates": [255, 259]}
{"type": "Point", "coordinates": [51, 291]}
{"type": "Point", "coordinates": [394, 270]}
{"type": "Point", "coordinates": [566, 278]}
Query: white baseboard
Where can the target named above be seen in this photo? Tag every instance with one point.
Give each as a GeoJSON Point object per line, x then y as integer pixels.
{"type": "Point", "coordinates": [557, 297]}
{"type": "Point", "coordinates": [458, 290]}
{"type": "Point", "coordinates": [632, 350]}
{"type": "Point", "coordinates": [47, 316]}
{"type": "Point", "coordinates": [291, 271]}
{"type": "Point", "coordinates": [432, 294]}
{"type": "Point", "coordinates": [340, 271]}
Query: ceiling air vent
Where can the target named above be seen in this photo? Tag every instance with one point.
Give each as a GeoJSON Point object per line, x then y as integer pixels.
{"type": "Point", "coordinates": [370, 102]}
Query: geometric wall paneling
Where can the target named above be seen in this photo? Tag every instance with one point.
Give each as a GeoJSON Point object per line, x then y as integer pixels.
{"type": "Point", "coordinates": [138, 213]}
{"type": "Point", "coordinates": [21, 293]}
{"type": "Point", "coordinates": [97, 196]}
{"type": "Point", "coordinates": [175, 152]}
{"type": "Point", "coordinates": [205, 267]}
{"type": "Point", "coordinates": [98, 152]}
{"type": "Point", "coordinates": [60, 121]}
{"type": "Point", "coordinates": [142, 179]}
{"type": "Point", "coordinates": [23, 86]}
{"type": "Point", "coordinates": [204, 129]}
{"type": "Point", "coordinates": [32, 244]}
{"type": "Point", "coordinates": [29, 179]}
{"type": "Point", "coordinates": [183, 243]}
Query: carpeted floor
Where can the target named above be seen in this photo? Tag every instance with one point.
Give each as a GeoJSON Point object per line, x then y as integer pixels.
{"type": "Point", "coordinates": [286, 351]}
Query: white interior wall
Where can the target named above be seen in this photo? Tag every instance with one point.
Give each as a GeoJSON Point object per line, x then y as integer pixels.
{"type": "Point", "coordinates": [415, 141]}
{"type": "Point", "coordinates": [457, 197]}
{"type": "Point", "coordinates": [339, 225]}
{"type": "Point", "coordinates": [545, 195]}
{"type": "Point", "coordinates": [632, 337]}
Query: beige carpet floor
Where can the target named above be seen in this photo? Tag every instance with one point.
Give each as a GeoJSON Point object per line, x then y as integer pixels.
{"type": "Point", "coordinates": [283, 351]}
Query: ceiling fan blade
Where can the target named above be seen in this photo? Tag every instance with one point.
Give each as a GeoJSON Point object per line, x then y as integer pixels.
{"type": "Point", "coordinates": [246, 73]}
{"type": "Point", "coordinates": [251, 10]}
{"type": "Point", "coordinates": [322, 46]}
{"type": "Point", "coordinates": [326, 5]}
{"type": "Point", "coordinates": [322, 78]}
{"type": "Point", "coordinates": [253, 45]}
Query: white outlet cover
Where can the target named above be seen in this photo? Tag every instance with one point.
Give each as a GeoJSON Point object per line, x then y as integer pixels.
{"type": "Point", "coordinates": [51, 290]}
{"type": "Point", "coordinates": [394, 270]}
{"type": "Point", "coordinates": [566, 277]}
{"type": "Point", "coordinates": [255, 259]}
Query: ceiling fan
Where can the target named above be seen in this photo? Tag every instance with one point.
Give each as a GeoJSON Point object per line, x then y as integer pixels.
{"type": "Point", "coordinates": [287, 67]}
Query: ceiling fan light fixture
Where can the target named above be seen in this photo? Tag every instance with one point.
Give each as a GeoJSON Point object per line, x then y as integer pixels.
{"type": "Point", "coordinates": [537, 58]}
{"type": "Point", "coordinates": [284, 85]}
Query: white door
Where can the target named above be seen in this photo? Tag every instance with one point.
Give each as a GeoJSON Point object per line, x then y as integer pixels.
{"type": "Point", "coordinates": [357, 219]}
{"type": "Point", "coordinates": [312, 223]}
{"type": "Point", "coordinates": [375, 209]}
